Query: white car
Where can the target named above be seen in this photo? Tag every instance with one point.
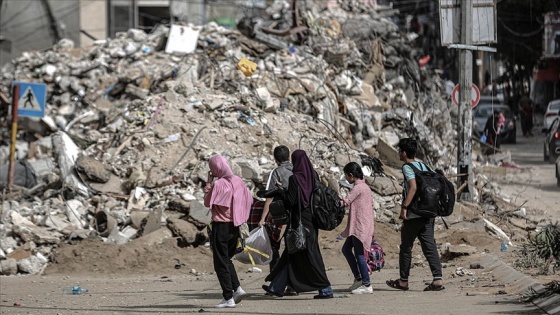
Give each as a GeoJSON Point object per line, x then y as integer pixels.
{"type": "Point", "coordinates": [551, 112]}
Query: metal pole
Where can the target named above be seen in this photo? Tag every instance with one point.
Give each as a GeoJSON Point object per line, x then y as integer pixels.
{"type": "Point", "coordinates": [464, 152]}
{"type": "Point", "coordinates": [15, 99]}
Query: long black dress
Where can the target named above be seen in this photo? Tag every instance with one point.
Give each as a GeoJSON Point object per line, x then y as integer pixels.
{"type": "Point", "coordinates": [306, 269]}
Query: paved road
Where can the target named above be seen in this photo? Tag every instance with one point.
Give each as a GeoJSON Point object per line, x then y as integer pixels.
{"type": "Point", "coordinates": [536, 184]}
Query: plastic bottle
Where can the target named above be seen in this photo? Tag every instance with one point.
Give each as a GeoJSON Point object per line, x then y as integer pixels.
{"type": "Point", "coordinates": [74, 290]}
{"type": "Point", "coordinates": [504, 246]}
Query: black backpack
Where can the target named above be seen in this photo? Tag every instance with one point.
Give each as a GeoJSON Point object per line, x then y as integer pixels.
{"type": "Point", "coordinates": [327, 207]}
{"type": "Point", "coordinates": [435, 195]}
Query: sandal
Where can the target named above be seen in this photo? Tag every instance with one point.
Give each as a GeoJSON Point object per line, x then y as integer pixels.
{"type": "Point", "coordinates": [396, 285]}
{"type": "Point", "coordinates": [433, 287]}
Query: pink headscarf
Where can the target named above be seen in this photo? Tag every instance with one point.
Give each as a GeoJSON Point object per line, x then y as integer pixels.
{"type": "Point", "coordinates": [229, 190]}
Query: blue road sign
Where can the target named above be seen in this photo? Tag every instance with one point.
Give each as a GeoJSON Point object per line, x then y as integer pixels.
{"type": "Point", "coordinates": [32, 97]}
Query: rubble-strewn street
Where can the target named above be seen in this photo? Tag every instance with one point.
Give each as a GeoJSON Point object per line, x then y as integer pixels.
{"type": "Point", "coordinates": [110, 180]}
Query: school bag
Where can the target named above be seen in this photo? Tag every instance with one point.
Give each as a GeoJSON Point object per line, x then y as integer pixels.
{"type": "Point", "coordinates": [375, 256]}
{"type": "Point", "coordinates": [327, 207]}
{"type": "Point", "coordinates": [435, 195]}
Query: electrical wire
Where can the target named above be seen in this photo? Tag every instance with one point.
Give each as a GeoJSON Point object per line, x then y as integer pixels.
{"type": "Point", "coordinates": [530, 34]}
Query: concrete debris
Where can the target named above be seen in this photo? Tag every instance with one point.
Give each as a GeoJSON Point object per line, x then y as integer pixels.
{"type": "Point", "coordinates": [129, 126]}
{"type": "Point", "coordinates": [9, 267]}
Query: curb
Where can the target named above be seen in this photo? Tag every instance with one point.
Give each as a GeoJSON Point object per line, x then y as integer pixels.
{"type": "Point", "coordinates": [520, 283]}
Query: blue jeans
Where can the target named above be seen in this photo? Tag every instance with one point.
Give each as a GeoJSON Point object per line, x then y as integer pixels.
{"type": "Point", "coordinates": [279, 283]}
{"type": "Point", "coordinates": [356, 260]}
{"type": "Point", "coordinates": [326, 291]}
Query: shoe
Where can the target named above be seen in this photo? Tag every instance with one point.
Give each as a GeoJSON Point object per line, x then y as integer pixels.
{"type": "Point", "coordinates": [363, 290]}
{"type": "Point", "coordinates": [357, 283]}
{"type": "Point", "coordinates": [269, 291]}
{"type": "Point", "coordinates": [321, 296]}
{"type": "Point", "coordinates": [226, 303]}
{"type": "Point", "coordinates": [238, 295]}
{"type": "Point", "coordinates": [290, 292]}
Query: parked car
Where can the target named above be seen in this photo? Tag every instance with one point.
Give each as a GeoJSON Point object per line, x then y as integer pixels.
{"type": "Point", "coordinates": [485, 110]}
{"type": "Point", "coordinates": [558, 171]}
{"type": "Point", "coordinates": [551, 145]}
{"type": "Point", "coordinates": [551, 112]}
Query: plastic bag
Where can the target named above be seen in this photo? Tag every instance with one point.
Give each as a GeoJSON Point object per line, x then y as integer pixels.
{"type": "Point", "coordinates": [483, 139]}
{"type": "Point", "coordinates": [257, 249]}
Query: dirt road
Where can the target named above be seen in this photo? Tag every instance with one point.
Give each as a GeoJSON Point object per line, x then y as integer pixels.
{"type": "Point", "coordinates": [181, 293]}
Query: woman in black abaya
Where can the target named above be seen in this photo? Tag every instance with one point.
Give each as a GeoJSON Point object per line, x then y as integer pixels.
{"type": "Point", "coordinates": [303, 271]}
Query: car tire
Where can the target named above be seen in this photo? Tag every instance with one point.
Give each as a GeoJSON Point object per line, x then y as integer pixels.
{"type": "Point", "coordinates": [552, 158]}
{"type": "Point", "coordinates": [544, 153]}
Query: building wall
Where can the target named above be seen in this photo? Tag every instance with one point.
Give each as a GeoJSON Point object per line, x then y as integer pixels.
{"type": "Point", "coordinates": [25, 25]}
{"type": "Point", "coordinates": [93, 19]}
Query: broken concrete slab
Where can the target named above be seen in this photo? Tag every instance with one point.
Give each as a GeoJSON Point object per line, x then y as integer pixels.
{"type": "Point", "coordinates": [179, 205]}
{"type": "Point", "coordinates": [138, 217]}
{"type": "Point", "coordinates": [199, 214]}
{"type": "Point", "coordinates": [183, 229]}
{"type": "Point", "coordinates": [153, 222]}
{"type": "Point", "coordinates": [31, 265]}
{"type": "Point", "coordinates": [67, 152]}
{"type": "Point", "coordinates": [461, 249]}
{"type": "Point", "coordinates": [36, 234]}
{"type": "Point", "coordinates": [9, 267]}
{"type": "Point", "coordinates": [384, 186]}
{"type": "Point", "coordinates": [155, 238]}
{"type": "Point", "coordinates": [92, 169]}
{"type": "Point", "coordinates": [250, 169]}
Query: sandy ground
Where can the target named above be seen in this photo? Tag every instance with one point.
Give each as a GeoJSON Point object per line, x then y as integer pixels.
{"type": "Point", "coordinates": [179, 293]}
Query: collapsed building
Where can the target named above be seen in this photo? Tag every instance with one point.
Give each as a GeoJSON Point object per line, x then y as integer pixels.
{"type": "Point", "coordinates": [122, 150]}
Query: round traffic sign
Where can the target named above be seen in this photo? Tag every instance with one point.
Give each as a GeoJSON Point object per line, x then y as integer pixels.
{"type": "Point", "coordinates": [475, 95]}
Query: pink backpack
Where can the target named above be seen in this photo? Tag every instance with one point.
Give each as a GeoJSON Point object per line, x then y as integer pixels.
{"type": "Point", "coordinates": [374, 256]}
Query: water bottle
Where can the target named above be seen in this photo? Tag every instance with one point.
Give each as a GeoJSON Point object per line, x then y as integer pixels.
{"type": "Point", "coordinates": [74, 290]}
{"type": "Point", "coordinates": [504, 247]}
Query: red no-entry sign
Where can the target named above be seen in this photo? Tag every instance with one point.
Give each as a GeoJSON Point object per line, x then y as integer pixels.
{"type": "Point", "coordinates": [475, 95]}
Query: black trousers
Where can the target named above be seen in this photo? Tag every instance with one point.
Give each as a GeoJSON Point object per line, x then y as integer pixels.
{"type": "Point", "coordinates": [224, 242]}
{"type": "Point", "coordinates": [423, 228]}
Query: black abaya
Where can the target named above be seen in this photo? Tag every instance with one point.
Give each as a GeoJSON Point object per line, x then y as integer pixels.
{"type": "Point", "coordinates": [306, 269]}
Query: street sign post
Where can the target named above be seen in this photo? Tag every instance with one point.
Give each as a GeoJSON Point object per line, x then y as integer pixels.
{"type": "Point", "coordinates": [475, 95]}
{"type": "Point", "coordinates": [464, 24]}
{"type": "Point", "coordinates": [32, 98]}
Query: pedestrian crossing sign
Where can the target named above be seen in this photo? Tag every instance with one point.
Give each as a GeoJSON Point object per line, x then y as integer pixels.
{"type": "Point", "coordinates": [31, 99]}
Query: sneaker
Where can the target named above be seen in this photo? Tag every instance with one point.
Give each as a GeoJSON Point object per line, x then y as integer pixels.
{"type": "Point", "coordinates": [226, 303]}
{"type": "Point", "coordinates": [363, 290]}
{"type": "Point", "coordinates": [238, 295]}
{"type": "Point", "coordinates": [355, 285]}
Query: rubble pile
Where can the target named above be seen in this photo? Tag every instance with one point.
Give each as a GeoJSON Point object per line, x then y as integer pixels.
{"type": "Point", "coordinates": [122, 151]}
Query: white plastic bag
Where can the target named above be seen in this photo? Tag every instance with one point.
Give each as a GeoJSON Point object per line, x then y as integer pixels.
{"type": "Point", "coordinates": [257, 250]}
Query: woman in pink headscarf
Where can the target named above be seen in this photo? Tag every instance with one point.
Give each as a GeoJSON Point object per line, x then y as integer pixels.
{"type": "Point", "coordinates": [229, 201]}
